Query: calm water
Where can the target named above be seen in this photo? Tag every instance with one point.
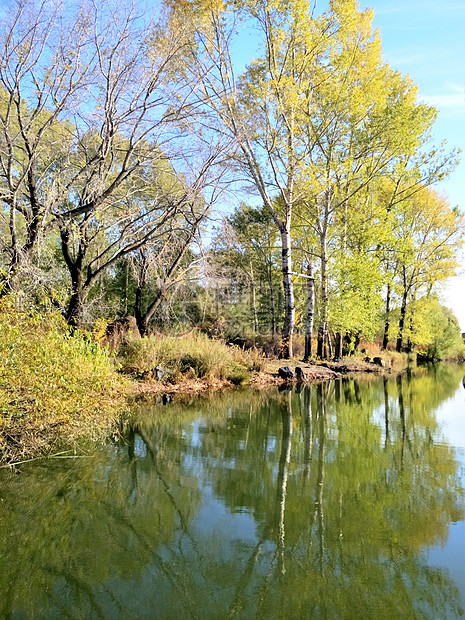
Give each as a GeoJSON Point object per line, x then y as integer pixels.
{"type": "Point", "coordinates": [342, 500]}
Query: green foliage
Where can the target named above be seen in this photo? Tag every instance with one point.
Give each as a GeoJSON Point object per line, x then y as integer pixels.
{"type": "Point", "coordinates": [246, 265]}
{"type": "Point", "coordinates": [334, 142]}
{"type": "Point", "coordinates": [442, 338]}
{"type": "Point", "coordinates": [52, 378]}
{"type": "Point", "coordinates": [431, 329]}
{"type": "Point", "coordinates": [194, 356]}
{"type": "Point", "coordinates": [356, 300]}
{"type": "Point", "coordinates": [245, 260]}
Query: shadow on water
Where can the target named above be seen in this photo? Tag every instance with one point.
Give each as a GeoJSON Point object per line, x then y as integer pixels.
{"type": "Point", "coordinates": [309, 503]}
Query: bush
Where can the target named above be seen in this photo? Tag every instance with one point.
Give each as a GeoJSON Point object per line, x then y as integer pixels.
{"type": "Point", "coordinates": [50, 378]}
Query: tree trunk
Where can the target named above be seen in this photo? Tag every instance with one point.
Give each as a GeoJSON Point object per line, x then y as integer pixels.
{"type": "Point", "coordinates": [403, 311]}
{"type": "Point", "coordinates": [410, 334]}
{"type": "Point", "coordinates": [323, 327]}
{"type": "Point", "coordinates": [79, 290]}
{"type": "Point", "coordinates": [272, 300]}
{"type": "Point", "coordinates": [310, 312]}
{"type": "Point", "coordinates": [386, 321]}
{"type": "Point", "coordinates": [253, 299]}
{"type": "Point", "coordinates": [141, 324]}
{"type": "Point", "coordinates": [75, 307]}
{"type": "Point", "coordinates": [289, 309]}
{"type": "Point", "coordinates": [143, 318]}
{"type": "Point", "coordinates": [338, 345]}
{"type": "Point", "coordinates": [321, 349]}
{"type": "Point", "coordinates": [330, 345]}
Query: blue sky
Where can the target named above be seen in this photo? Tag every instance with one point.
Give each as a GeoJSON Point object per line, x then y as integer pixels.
{"type": "Point", "coordinates": [426, 40]}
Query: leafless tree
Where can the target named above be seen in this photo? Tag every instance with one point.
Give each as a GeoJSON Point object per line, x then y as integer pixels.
{"type": "Point", "coordinates": [91, 97]}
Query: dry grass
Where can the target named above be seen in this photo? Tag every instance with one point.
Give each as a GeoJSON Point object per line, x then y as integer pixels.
{"type": "Point", "coordinates": [193, 356]}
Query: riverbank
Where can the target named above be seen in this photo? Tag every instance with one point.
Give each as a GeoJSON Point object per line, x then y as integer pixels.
{"type": "Point", "coordinates": [60, 389]}
{"type": "Point", "coordinates": [38, 434]}
{"type": "Point", "coordinates": [57, 387]}
{"type": "Point", "coordinates": [268, 375]}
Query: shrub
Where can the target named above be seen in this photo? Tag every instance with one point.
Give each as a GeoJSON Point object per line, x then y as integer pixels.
{"type": "Point", "coordinates": [50, 377]}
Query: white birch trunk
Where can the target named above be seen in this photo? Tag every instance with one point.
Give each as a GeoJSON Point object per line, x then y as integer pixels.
{"type": "Point", "coordinates": [310, 312]}
{"type": "Point", "coordinates": [289, 308]}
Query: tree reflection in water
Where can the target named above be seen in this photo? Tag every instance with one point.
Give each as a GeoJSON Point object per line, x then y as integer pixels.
{"type": "Point", "coordinates": [313, 503]}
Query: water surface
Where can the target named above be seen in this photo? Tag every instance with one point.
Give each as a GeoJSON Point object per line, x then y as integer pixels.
{"type": "Point", "coordinates": [339, 500]}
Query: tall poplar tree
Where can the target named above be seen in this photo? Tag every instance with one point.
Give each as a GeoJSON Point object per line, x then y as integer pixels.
{"type": "Point", "coordinates": [262, 109]}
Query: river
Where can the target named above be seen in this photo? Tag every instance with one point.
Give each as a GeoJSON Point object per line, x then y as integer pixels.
{"type": "Point", "coordinates": [338, 500]}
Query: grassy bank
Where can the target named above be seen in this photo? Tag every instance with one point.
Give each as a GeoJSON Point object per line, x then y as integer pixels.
{"type": "Point", "coordinates": [192, 356]}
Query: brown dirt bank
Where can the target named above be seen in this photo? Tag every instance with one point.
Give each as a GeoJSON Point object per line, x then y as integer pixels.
{"type": "Point", "coordinates": [313, 373]}
{"type": "Point", "coordinates": [268, 376]}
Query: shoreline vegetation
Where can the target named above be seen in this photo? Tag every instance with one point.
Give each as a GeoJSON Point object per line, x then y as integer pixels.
{"type": "Point", "coordinates": [60, 388]}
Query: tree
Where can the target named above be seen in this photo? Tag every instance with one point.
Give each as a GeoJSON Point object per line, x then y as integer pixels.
{"type": "Point", "coordinates": [443, 337]}
{"type": "Point", "coordinates": [244, 253]}
{"type": "Point", "coordinates": [261, 110]}
{"type": "Point", "coordinates": [412, 173]}
{"type": "Point", "coordinates": [163, 260]}
{"type": "Point", "coordinates": [91, 98]}
{"type": "Point", "coordinates": [366, 120]}
{"type": "Point", "coordinates": [158, 203]}
{"type": "Point", "coordinates": [428, 236]}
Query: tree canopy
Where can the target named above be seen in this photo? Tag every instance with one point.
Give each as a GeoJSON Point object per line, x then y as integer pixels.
{"type": "Point", "coordinates": [122, 131]}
